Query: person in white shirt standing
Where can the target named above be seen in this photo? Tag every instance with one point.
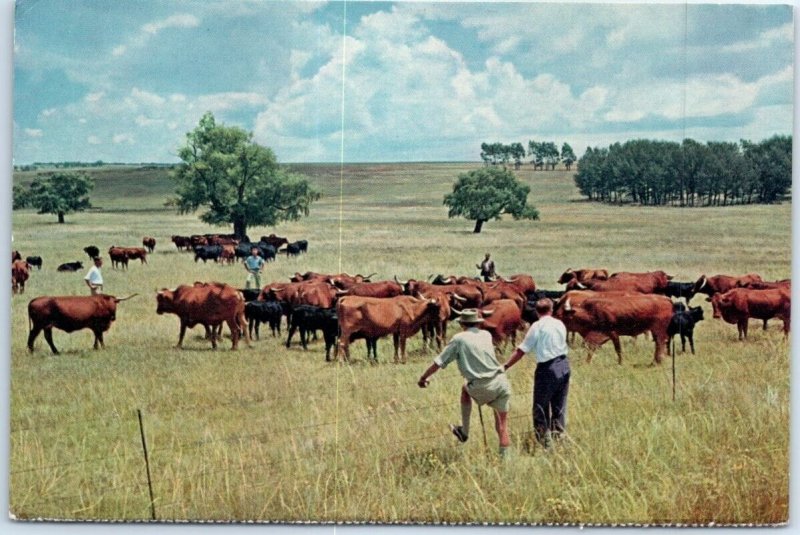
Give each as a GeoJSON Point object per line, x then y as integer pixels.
{"type": "Point", "coordinates": [547, 337]}
{"type": "Point", "coordinates": [94, 279]}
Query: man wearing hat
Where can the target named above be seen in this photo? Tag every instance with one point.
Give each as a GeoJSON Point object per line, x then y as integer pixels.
{"type": "Point", "coordinates": [486, 381]}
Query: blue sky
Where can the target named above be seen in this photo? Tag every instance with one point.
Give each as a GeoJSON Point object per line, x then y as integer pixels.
{"type": "Point", "coordinates": [407, 81]}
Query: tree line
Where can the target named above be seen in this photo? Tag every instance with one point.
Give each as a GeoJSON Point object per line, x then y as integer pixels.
{"type": "Point", "coordinates": [544, 154]}
{"type": "Point", "coordinates": [690, 173]}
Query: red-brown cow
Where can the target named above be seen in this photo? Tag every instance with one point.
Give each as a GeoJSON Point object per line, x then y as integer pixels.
{"type": "Point", "coordinates": [723, 283]}
{"type": "Point", "coordinates": [209, 305]}
{"type": "Point", "coordinates": [15, 255]}
{"type": "Point", "coordinates": [372, 317]}
{"type": "Point", "coordinates": [345, 281]}
{"type": "Point", "coordinates": [71, 313]}
{"type": "Point", "coordinates": [652, 282]}
{"type": "Point", "coordinates": [149, 243]}
{"type": "Point", "coordinates": [275, 241]}
{"type": "Point", "coordinates": [582, 275]}
{"type": "Point", "coordinates": [228, 254]}
{"type": "Point", "coordinates": [764, 285]}
{"type": "Point", "coordinates": [374, 289]}
{"type": "Point", "coordinates": [740, 304]}
{"type": "Point", "coordinates": [119, 257]}
{"type": "Point", "coordinates": [20, 271]}
{"type": "Point", "coordinates": [182, 242]}
{"type": "Point", "coordinates": [495, 291]}
{"type": "Point", "coordinates": [136, 252]}
{"type": "Point", "coordinates": [522, 282]}
{"type": "Point", "coordinates": [502, 319]}
{"type": "Point", "coordinates": [608, 316]}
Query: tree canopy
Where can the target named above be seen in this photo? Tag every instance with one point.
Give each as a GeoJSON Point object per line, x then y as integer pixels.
{"type": "Point", "coordinates": [238, 181]}
{"type": "Point", "coordinates": [488, 193]}
{"type": "Point", "coordinates": [58, 193]}
{"type": "Point", "coordinates": [687, 174]}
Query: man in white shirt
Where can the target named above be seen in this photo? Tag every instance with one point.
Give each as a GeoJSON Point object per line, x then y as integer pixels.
{"type": "Point", "coordinates": [547, 337]}
{"type": "Point", "coordinates": [94, 279]}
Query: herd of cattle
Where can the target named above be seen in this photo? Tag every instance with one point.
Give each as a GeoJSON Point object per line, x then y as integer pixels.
{"type": "Point", "coordinates": [226, 248]}
{"type": "Point", "coordinates": [598, 306]}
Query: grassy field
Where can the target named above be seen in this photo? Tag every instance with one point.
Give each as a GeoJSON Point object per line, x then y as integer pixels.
{"type": "Point", "coordinates": [267, 433]}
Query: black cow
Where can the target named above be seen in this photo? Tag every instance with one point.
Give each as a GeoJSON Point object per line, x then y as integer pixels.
{"type": "Point", "coordinates": [268, 251]}
{"type": "Point", "coordinates": [555, 295]}
{"type": "Point", "coordinates": [250, 294]}
{"type": "Point", "coordinates": [683, 323]}
{"type": "Point", "coordinates": [302, 245]}
{"type": "Point", "coordinates": [92, 251]}
{"type": "Point", "coordinates": [680, 289]}
{"type": "Point", "coordinates": [258, 312]}
{"type": "Point", "coordinates": [70, 266]}
{"type": "Point", "coordinates": [309, 318]}
{"type": "Point", "coordinates": [35, 261]}
{"type": "Point", "coordinates": [207, 252]}
{"type": "Point", "coordinates": [292, 249]}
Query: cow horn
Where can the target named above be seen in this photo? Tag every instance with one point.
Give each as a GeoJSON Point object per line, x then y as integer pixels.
{"type": "Point", "coordinates": [567, 306]}
{"type": "Point", "coordinates": [346, 274]}
{"type": "Point", "coordinates": [487, 313]}
{"type": "Point", "coordinates": [456, 311]}
{"type": "Point", "coordinates": [458, 297]}
{"type": "Point", "coordinates": [398, 281]}
{"type": "Point", "coordinates": [581, 286]}
{"type": "Point", "coordinates": [342, 292]}
{"type": "Point", "coordinates": [702, 284]}
{"type": "Point", "coordinates": [117, 299]}
{"type": "Point", "coordinates": [276, 290]}
{"type": "Point", "coordinates": [430, 277]}
{"type": "Point", "coordinates": [448, 280]}
{"type": "Point", "coordinates": [370, 276]}
{"type": "Point", "coordinates": [504, 279]}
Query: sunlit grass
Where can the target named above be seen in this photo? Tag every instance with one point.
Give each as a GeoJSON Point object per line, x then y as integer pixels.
{"type": "Point", "coordinates": [267, 433]}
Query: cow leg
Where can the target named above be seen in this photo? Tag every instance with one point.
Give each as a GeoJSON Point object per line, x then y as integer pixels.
{"type": "Point", "coordinates": [292, 329]}
{"type": "Point", "coordinates": [786, 322]}
{"type": "Point", "coordinates": [48, 335]}
{"type": "Point", "coordinates": [683, 342]}
{"type": "Point", "coordinates": [661, 344]}
{"type": "Point", "coordinates": [765, 323]}
{"type": "Point", "coordinates": [181, 335]}
{"type": "Point", "coordinates": [98, 337]}
{"type": "Point", "coordinates": [593, 341]}
{"type": "Point", "coordinates": [403, 349]}
{"type": "Point", "coordinates": [373, 342]}
{"type": "Point", "coordinates": [303, 337]}
{"type": "Point", "coordinates": [35, 330]}
{"type": "Point", "coordinates": [690, 335]}
{"type": "Point", "coordinates": [617, 346]}
{"type": "Point", "coordinates": [742, 327]}
{"type": "Point", "coordinates": [396, 340]}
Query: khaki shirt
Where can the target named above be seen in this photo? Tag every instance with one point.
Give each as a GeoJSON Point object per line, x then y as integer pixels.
{"type": "Point", "coordinates": [473, 351]}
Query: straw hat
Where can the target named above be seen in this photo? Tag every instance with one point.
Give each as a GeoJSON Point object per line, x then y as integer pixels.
{"type": "Point", "coordinates": [469, 316]}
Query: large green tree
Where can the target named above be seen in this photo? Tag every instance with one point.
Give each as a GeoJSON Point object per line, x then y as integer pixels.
{"type": "Point", "coordinates": [488, 193]}
{"type": "Point", "coordinates": [58, 193]}
{"type": "Point", "coordinates": [236, 180]}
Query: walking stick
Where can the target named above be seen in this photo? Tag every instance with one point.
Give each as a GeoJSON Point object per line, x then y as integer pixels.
{"type": "Point", "coordinates": [673, 368]}
{"type": "Point", "coordinates": [485, 444]}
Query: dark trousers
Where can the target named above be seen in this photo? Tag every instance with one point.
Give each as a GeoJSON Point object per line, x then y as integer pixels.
{"type": "Point", "coordinates": [550, 388]}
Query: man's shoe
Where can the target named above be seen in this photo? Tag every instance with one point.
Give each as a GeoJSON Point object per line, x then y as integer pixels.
{"type": "Point", "coordinates": [458, 431]}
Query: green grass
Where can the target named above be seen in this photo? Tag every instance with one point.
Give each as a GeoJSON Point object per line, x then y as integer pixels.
{"type": "Point", "coordinates": [267, 433]}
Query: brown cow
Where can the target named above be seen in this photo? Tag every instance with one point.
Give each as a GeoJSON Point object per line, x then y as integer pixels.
{"type": "Point", "coordinates": [372, 317]}
{"type": "Point", "coordinates": [764, 285]}
{"type": "Point", "coordinates": [311, 292]}
{"type": "Point", "coordinates": [182, 242]}
{"type": "Point", "coordinates": [207, 304]}
{"type": "Point", "coordinates": [149, 243]}
{"type": "Point", "coordinates": [652, 282]}
{"type": "Point", "coordinates": [502, 319]}
{"type": "Point", "coordinates": [71, 313]}
{"type": "Point", "coordinates": [723, 283]}
{"type": "Point", "coordinates": [20, 271]}
{"type": "Point", "coordinates": [740, 304]}
{"type": "Point", "coordinates": [607, 316]}
{"type": "Point", "coordinates": [495, 291]}
{"type": "Point", "coordinates": [582, 275]}
{"type": "Point", "coordinates": [344, 281]}
{"type": "Point", "coordinates": [15, 255]}
{"type": "Point", "coordinates": [228, 254]}
{"type": "Point", "coordinates": [275, 241]}
{"type": "Point", "coordinates": [136, 252]}
{"type": "Point", "coordinates": [374, 289]}
{"type": "Point", "coordinates": [119, 256]}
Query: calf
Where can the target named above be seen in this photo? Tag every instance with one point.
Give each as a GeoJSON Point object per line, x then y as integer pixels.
{"type": "Point", "coordinates": [683, 322]}
{"type": "Point", "coordinates": [70, 266]}
{"type": "Point", "coordinates": [149, 243]}
{"type": "Point", "coordinates": [258, 312]}
{"type": "Point", "coordinates": [35, 261]}
{"type": "Point", "coordinates": [92, 251]}
{"type": "Point", "coordinates": [20, 271]}
{"type": "Point", "coordinates": [292, 249]}
{"type": "Point", "coordinates": [119, 257]}
{"type": "Point", "coordinates": [309, 318]}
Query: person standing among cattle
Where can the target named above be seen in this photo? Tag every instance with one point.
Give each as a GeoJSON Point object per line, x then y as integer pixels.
{"type": "Point", "coordinates": [254, 265]}
{"type": "Point", "coordinates": [547, 337]}
{"type": "Point", "coordinates": [487, 269]}
{"type": "Point", "coordinates": [94, 278]}
{"type": "Point", "coordinates": [486, 381]}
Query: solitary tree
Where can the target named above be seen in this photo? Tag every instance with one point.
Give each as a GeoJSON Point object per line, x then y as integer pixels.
{"type": "Point", "coordinates": [487, 193]}
{"type": "Point", "coordinates": [238, 181]}
{"type": "Point", "coordinates": [58, 193]}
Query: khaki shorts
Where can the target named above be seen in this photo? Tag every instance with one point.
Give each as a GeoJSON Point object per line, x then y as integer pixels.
{"type": "Point", "coordinates": [494, 391]}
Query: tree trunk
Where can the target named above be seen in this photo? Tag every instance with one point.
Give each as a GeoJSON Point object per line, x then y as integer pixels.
{"type": "Point", "coordinates": [478, 226]}
{"type": "Point", "coordinates": [61, 217]}
{"type": "Point", "coordinates": [239, 228]}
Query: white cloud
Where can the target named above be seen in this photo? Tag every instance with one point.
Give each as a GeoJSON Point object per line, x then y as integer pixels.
{"type": "Point", "coordinates": [122, 138]}
{"type": "Point", "coordinates": [175, 21]}
{"type": "Point", "coordinates": [94, 97]}
{"type": "Point", "coordinates": [93, 140]}
{"type": "Point", "coordinates": [771, 37]}
{"type": "Point", "coordinates": [119, 50]}
{"type": "Point", "coordinates": [34, 132]}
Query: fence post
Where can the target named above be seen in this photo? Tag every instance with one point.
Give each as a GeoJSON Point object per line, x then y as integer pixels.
{"type": "Point", "coordinates": [147, 466]}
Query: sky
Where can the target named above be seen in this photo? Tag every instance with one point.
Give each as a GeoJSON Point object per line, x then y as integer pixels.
{"type": "Point", "coordinates": [392, 81]}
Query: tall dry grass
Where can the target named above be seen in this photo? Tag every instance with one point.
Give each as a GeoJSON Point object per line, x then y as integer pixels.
{"type": "Point", "coordinates": [267, 433]}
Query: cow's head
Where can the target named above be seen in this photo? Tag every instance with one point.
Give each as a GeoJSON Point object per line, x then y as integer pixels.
{"type": "Point", "coordinates": [165, 299]}
{"type": "Point", "coordinates": [700, 284]}
{"type": "Point", "coordinates": [696, 314]}
{"type": "Point", "coordinates": [567, 276]}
